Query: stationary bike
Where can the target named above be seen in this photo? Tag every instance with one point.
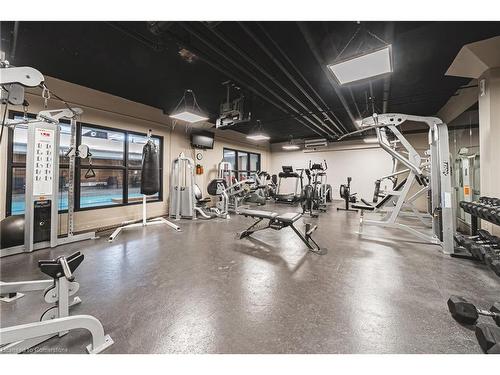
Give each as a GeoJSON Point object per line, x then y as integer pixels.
{"type": "Point", "coordinates": [345, 194]}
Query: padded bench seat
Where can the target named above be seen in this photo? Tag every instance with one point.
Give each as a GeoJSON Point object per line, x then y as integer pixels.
{"type": "Point", "coordinates": [261, 214]}
{"type": "Point", "coordinates": [363, 207]}
{"type": "Point", "coordinates": [289, 217]}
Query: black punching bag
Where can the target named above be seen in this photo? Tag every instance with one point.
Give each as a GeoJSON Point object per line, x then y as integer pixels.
{"type": "Point", "coordinates": [150, 176]}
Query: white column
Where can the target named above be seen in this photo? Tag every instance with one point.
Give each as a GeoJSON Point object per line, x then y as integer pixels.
{"type": "Point", "coordinates": [489, 136]}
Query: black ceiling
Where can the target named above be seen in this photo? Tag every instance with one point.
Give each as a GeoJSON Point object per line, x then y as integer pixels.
{"type": "Point", "coordinates": [279, 65]}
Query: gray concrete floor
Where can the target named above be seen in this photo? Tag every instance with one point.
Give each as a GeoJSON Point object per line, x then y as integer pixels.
{"type": "Point", "coordinates": [204, 291]}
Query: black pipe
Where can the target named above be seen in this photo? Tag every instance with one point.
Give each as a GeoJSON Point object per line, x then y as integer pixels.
{"type": "Point", "coordinates": [138, 37]}
{"type": "Point", "coordinates": [271, 78]}
{"type": "Point", "coordinates": [328, 111]}
{"type": "Point", "coordinates": [289, 76]}
{"type": "Point", "coordinates": [312, 46]}
{"type": "Point", "coordinates": [160, 30]}
{"type": "Point", "coordinates": [243, 69]}
{"type": "Point", "coordinates": [14, 41]}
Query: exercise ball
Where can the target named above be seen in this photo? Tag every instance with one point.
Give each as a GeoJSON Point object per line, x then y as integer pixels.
{"type": "Point", "coordinates": [12, 231]}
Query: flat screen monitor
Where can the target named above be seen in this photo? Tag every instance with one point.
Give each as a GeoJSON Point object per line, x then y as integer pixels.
{"type": "Point", "coordinates": [203, 140]}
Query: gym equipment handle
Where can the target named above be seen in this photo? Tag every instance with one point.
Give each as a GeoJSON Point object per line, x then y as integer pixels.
{"type": "Point", "coordinates": [66, 270]}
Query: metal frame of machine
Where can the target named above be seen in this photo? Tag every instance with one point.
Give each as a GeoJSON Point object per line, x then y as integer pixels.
{"type": "Point", "coordinates": [42, 164]}
{"type": "Point", "coordinates": [42, 184]}
{"type": "Point", "coordinates": [436, 171]}
{"type": "Point", "coordinates": [184, 203]}
{"type": "Point", "coordinates": [55, 321]}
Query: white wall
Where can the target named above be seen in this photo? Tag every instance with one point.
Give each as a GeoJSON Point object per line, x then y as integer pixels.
{"type": "Point", "coordinates": [365, 163]}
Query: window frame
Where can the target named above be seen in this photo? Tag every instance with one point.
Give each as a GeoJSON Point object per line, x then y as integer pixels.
{"type": "Point", "coordinates": [124, 168]}
{"type": "Point", "coordinates": [249, 153]}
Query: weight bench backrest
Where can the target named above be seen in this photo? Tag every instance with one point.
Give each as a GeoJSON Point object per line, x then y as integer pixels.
{"type": "Point", "coordinates": [289, 217]}
{"type": "Point", "coordinates": [261, 214]}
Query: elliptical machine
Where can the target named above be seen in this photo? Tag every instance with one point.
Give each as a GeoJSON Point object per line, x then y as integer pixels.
{"type": "Point", "coordinates": [345, 194]}
{"type": "Point", "coordinates": [319, 178]}
{"type": "Point", "coordinates": [309, 199]}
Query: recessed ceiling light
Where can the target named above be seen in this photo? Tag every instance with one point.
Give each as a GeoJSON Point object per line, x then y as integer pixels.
{"type": "Point", "coordinates": [188, 117]}
{"type": "Point", "coordinates": [368, 65]}
{"type": "Point", "coordinates": [370, 140]}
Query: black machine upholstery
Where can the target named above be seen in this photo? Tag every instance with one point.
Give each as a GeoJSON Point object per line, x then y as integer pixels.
{"type": "Point", "coordinates": [54, 268]}
{"type": "Point", "coordinates": [370, 207]}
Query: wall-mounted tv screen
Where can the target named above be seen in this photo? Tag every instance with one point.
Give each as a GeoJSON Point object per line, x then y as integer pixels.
{"type": "Point", "coordinates": [203, 140]}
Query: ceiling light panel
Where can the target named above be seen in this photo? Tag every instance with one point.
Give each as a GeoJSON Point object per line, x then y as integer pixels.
{"type": "Point", "coordinates": [188, 117]}
{"type": "Point", "coordinates": [369, 65]}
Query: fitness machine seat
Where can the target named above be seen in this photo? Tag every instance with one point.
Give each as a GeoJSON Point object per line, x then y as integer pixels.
{"type": "Point", "coordinates": [366, 206]}
{"type": "Point", "coordinates": [370, 207]}
{"type": "Point", "coordinates": [278, 222]}
{"type": "Point", "coordinates": [289, 217]}
{"type": "Point", "coordinates": [55, 267]}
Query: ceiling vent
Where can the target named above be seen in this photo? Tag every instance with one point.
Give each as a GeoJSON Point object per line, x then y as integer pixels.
{"type": "Point", "coordinates": [314, 144]}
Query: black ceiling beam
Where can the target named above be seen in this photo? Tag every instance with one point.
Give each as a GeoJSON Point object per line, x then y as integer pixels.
{"type": "Point", "coordinates": [389, 35]}
{"type": "Point", "coordinates": [325, 109]}
{"type": "Point", "coordinates": [290, 77]}
{"type": "Point", "coordinates": [336, 53]}
{"type": "Point", "coordinates": [252, 76]}
{"type": "Point", "coordinates": [312, 46]}
{"type": "Point", "coordinates": [160, 30]}
{"type": "Point", "coordinates": [138, 37]}
{"type": "Point", "coordinates": [242, 54]}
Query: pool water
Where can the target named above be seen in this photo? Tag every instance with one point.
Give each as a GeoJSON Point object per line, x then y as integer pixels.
{"type": "Point", "coordinates": [90, 199]}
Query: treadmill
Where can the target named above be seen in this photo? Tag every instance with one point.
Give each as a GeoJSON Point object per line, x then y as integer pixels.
{"type": "Point", "coordinates": [288, 197]}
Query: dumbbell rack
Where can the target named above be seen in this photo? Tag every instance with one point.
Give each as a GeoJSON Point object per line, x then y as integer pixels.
{"type": "Point", "coordinates": [487, 209]}
{"type": "Point", "coordinates": [475, 216]}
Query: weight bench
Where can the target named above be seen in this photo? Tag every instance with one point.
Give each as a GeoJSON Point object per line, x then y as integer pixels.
{"type": "Point", "coordinates": [279, 221]}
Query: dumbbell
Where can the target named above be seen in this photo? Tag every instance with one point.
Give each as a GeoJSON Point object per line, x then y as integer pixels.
{"type": "Point", "coordinates": [489, 210]}
{"type": "Point", "coordinates": [492, 260]}
{"type": "Point", "coordinates": [481, 235]}
{"type": "Point", "coordinates": [480, 250]}
{"type": "Point", "coordinates": [489, 200]}
{"type": "Point", "coordinates": [488, 337]}
{"type": "Point", "coordinates": [465, 312]}
{"type": "Point", "coordinates": [491, 254]}
{"type": "Point", "coordinates": [490, 213]}
{"type": "Point", "coordinates": [466, 206]}
{"type": "Point", "coordinates": [475, 246]}
{"type": "Point", "coordinates": [495, 267]}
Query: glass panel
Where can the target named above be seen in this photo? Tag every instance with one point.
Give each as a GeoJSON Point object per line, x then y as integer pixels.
{"type": "Point", "coordinates": [255, 162]}
{"type": "Point", "coordinates": [242, 164]}
{"type": "Point", "coordinates": [20, 141]}
{"type": "Point", "coordinates": [63, 188]}
{"type": "Point", "coordinates": [135, 145]}
{"type": "Point", "coordinates": [18, 190]}
{"type": "Point", "coordinates": [230, 157]}
{"type": "Point", "coordinates": [64, 142]}
{"type": "Point", "coordinates": [106, 146]}
{"type": "Point", "coordinates": [134, 187]}
{"type": "Point", "coordinates": [106, 188]}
